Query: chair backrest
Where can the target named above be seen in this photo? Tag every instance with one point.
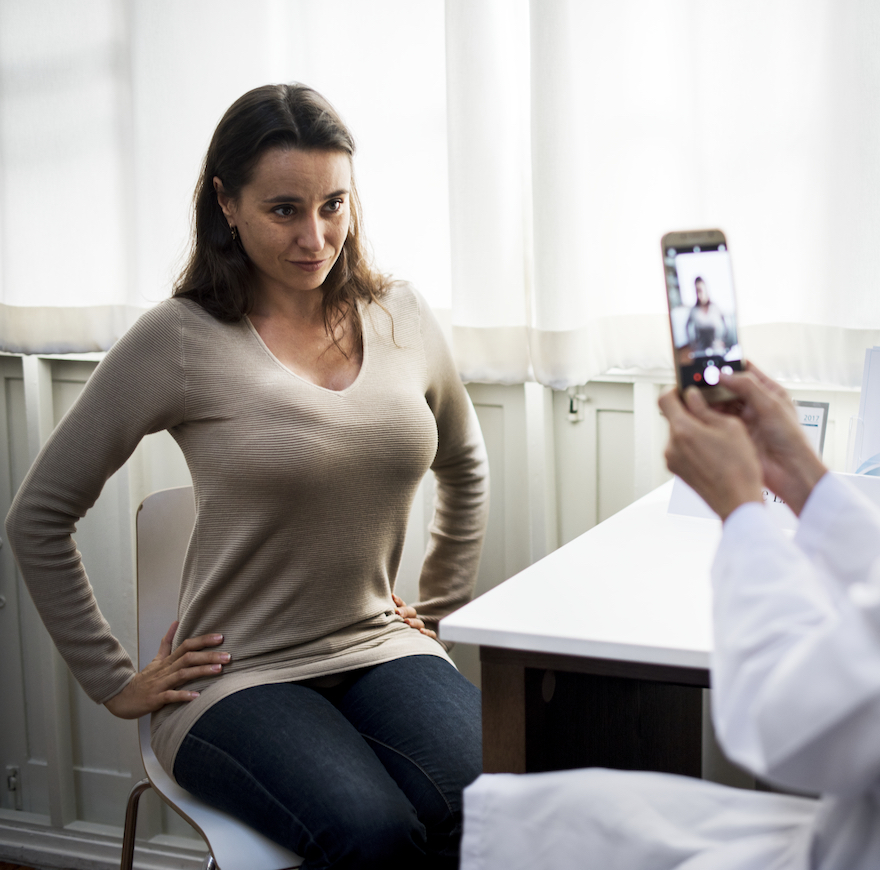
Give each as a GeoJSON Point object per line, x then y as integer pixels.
{"type": "Point", "coordinates": [164, 528]}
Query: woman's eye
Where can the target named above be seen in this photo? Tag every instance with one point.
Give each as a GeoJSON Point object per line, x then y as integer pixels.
{"type": "Point", "coordinates": [284, 210]}
{"type": "Point", "coordinates": [335, 205]}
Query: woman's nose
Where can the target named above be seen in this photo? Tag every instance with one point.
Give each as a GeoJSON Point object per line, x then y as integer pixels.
{"type": "Point", "coordinates": [311, 235]}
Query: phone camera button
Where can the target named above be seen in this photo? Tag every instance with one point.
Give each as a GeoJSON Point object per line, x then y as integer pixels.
{"type": "Point", "coordinates": [712, 375]}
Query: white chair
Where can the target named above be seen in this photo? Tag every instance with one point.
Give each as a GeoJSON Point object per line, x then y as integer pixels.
{"type": "Point", "coordinates": [164, 526]}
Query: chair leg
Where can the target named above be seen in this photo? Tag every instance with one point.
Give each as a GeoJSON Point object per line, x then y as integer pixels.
{"type": "Point", "coordinates": [131, 811]}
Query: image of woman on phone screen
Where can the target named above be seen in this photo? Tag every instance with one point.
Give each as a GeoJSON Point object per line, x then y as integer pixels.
{"type": "Point", "coordinates": [309, 395]}
{"type": "Point", "coordinates": [706, 326]}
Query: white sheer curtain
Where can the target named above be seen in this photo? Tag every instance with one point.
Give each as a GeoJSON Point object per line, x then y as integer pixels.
{"type": "Point", "coordinates": [518, 162]}
{"type": "Point", "coordinates": [761, 117]}
{"type": "Point", "coordinates": [488, 109]}
{"type": "Point", "coordinates": [65, 172]}
{"type": "Point", "coordinates": [106, 109]}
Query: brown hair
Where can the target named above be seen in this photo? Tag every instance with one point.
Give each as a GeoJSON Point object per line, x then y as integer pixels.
{"type": "Point", "coordinates": [219, 274]}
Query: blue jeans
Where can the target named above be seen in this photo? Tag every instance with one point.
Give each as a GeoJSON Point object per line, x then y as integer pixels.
{"type": "Point", "coordinates": [367, 774]}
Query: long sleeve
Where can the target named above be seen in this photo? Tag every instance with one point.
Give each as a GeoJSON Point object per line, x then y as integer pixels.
{"type": "Point", "coordinates": [838, 530]}
{"type": "Point", "coordinates": [137, 389]}
{"type": "Point", "coordinates": [461, 470]}
{"type": "Point", "coordinates": [796, 667]}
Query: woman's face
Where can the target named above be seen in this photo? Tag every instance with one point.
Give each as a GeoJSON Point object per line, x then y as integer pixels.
{"type": "Point", "coordinates": [293, 217]}
{"type": "Point", "coordinates": [702, 293]}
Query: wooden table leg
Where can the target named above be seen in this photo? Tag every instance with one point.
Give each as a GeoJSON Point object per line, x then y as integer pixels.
{"type": "Point", "coordinates": [504, 717]}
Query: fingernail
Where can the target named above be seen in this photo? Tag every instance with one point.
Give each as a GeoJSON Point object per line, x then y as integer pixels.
{"type": "Point", "coordinates": [217, 637]}
{"type": "Point", "coordinates": [193, 696]}
{"type": "Point", "coordinates": [224, 657]}
{"type": "Point", "coordinates": [216, 667]}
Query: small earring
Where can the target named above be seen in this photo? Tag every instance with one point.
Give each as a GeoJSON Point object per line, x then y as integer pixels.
{"type": "Point", "coordinates": [234, 231]}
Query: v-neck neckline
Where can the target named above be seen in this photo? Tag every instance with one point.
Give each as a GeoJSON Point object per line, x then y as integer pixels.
{"type": "Point", "coordinates": [305, 380]}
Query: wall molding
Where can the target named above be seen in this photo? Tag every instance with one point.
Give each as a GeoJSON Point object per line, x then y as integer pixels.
{"type": "Point", "coordinates": [65, 849]}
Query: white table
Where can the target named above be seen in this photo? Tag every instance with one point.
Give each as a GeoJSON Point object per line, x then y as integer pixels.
{"type": "Point", "coordinates": [597, 654]}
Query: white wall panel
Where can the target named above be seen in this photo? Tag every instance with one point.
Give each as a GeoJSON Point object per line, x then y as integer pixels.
{"type": "Point", "coordinates": [15, 689]}
{"type": "Point", "coordinates": [501, 411]}
{"type": "Point", "coordinates": [615, 481]}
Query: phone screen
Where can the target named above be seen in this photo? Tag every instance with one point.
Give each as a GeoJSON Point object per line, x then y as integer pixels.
{"type": "Point", "coordinates": [702, 311]}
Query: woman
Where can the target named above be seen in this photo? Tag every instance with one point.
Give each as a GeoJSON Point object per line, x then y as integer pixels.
{"type": "Point", "coordinates": [309, 396]}
{"type": "Point", "coordinates": [706, 325]}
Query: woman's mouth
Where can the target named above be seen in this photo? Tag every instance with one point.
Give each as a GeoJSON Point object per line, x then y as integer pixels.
{"type": "Point", "coordinates": [309, 265]}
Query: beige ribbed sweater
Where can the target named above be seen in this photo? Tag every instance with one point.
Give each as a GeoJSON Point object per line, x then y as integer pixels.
{"type": "Point", "coordinates": [302, 498]}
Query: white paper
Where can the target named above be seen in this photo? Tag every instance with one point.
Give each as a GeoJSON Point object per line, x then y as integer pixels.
{"type": "Point", "coordinates": [685, 502]}
{"type": "Point", "coordinates": [867, 442]}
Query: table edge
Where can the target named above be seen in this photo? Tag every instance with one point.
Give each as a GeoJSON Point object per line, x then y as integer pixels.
{"type": "Point", "coordinates": [634, 670]}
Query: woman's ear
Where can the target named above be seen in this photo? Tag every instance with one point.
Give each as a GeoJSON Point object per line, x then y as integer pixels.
{"type": "Point", "coordinates": [223, 199]}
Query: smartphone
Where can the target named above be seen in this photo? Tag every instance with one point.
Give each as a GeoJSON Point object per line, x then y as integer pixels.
{"type": "Point", "coordinates": [702, 311]}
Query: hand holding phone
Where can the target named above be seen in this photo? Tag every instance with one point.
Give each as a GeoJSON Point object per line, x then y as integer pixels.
{"type": "Point", "coordinates": [702, 311]}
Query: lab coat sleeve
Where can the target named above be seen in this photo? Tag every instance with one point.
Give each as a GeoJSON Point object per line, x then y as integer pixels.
{"type": "Point", "coordinates": [796, 665]}
{"type": "Point", "coordinates": [838, 531]}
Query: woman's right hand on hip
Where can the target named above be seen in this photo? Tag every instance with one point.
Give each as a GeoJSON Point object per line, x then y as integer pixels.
{"type": "Point", "coordinates": [158, 683]}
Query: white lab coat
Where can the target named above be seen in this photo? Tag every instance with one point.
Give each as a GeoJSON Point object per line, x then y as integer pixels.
{"type": "Point", "coordinates": [796, 700]}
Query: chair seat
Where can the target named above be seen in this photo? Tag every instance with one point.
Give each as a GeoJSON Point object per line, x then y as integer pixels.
{"type": "Point", "coordinates": [235, 846]}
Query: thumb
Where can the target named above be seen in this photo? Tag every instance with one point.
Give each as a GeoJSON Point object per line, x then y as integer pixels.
{"type": "Point", "coordinates": [765, 381]}
{"type": "Point", "coordinates": [697, 405]}
{"type": "Point", "coordinates": [165, 645]}
{"type": "Point", "coordinates": [670, 404]}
